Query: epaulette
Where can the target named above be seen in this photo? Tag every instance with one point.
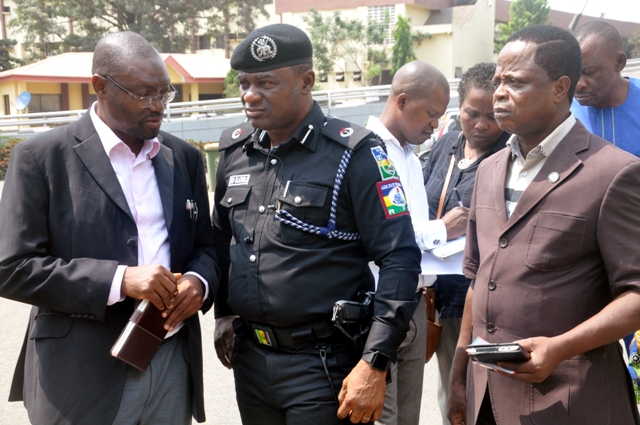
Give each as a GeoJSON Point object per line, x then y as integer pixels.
{"type": "Point", "coordinates": [345, 133]}
{"type": "Point", "coordinates": [234, 135]}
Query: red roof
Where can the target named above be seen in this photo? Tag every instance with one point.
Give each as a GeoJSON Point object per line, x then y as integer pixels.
{"type": "Point", "coordinates": [76, 68]}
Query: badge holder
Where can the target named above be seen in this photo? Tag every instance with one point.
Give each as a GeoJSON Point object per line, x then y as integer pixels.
{"type": "Point", "coordinates": [264, 336]}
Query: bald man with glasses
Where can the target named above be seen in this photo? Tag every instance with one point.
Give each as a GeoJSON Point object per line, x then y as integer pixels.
{"type": "Point", "coordinates": [96, 216]}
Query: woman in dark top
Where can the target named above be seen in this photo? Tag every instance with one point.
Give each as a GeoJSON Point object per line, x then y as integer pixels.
{"type": "Point", "coordinates": [480, 138]}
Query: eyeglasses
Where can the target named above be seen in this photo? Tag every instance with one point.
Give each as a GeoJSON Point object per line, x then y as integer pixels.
{"type": "Point", "coordinates": [148, 101]}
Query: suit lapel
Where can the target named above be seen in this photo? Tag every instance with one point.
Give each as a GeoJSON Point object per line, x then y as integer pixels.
{"type": "Point", "coordinates": [163, 166]}
{"type": "Point", "coordinates": [563, 161]}
{"type": "Point", "coordinates": [91, 152]}
{"type": "Point", "coordinates": [498, 184]}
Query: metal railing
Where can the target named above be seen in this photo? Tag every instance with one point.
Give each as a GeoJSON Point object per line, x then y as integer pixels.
{"type": "Point", "coordinates": [328, 99]}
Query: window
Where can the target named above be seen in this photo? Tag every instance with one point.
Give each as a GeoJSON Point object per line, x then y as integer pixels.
{"type": "Point", "coordinates": [377, 14]}
{"type": "Point", "coordinates": [45, 103]}
{"type": "Point", "coordinates": [7, 104]}
{"type": "Point", "coordinates": [204, 42]}
{"type": "Point", "coordinates": [6, 9]}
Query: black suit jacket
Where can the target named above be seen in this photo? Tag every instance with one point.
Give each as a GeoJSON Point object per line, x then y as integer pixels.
{"type": "Point", "coordinates": [65, 227]}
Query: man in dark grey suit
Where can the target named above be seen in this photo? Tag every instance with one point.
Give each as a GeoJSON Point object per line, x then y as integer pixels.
{"type": "Point", "coordinates": [94, 216]}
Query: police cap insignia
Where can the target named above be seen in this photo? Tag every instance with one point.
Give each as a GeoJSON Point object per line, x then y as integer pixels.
{"type": "Point", "coordinates": [263, 48]}
{"type": "Point", "coordinates": [272, 47]}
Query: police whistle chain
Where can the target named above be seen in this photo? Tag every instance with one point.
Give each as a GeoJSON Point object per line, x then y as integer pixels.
{"type": "Point", "coordinates": [330, 231]}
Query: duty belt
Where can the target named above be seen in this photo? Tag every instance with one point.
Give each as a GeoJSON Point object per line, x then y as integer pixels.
{"type": "Point", "coordinates": [293, 338]}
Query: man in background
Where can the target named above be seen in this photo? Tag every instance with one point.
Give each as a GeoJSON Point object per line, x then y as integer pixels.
{"type": "Point", "coordinates": [607, 103]}
{"type": "Point", "coordinates": [419, 97]}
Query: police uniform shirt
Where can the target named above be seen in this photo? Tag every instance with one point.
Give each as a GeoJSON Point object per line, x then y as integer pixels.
{"type": "Point", "coordinates": [281, 276]}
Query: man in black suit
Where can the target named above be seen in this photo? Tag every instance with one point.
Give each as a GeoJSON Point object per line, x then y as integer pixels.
{"type": "Point", "coordinates": [94, 216]}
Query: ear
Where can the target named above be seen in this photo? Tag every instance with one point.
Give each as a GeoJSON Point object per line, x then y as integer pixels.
{"type": "Point", "coordinates": [308, 80]}
{"type": "Point", "coordinates": [561, 88]}
{"type": "Point", "coordinates": [401, 101]}
{"type": "Point", "coordinates": [99, 83]}
{"type": "Point", "coordinates": [621, 61]}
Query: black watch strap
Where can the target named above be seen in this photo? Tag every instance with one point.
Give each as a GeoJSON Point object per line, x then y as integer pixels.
{"type": "Point", "coordinates": [378, 360]}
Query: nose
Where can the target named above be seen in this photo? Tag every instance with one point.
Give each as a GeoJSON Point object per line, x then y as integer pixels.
{"type": "Point", "coordinates": [251, 95]}
{"type": "Point", "coordinates": [500, 93]}
{"type": "Point", "coordinates": [582, 84]}
{"type": "Point", "coordinates": [482, 123]}
{"type": "Point", "coordinates": [156, 104]}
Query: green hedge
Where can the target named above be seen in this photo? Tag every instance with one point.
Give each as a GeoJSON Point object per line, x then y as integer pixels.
{"type": "Point", "coordinates": [6, 147]}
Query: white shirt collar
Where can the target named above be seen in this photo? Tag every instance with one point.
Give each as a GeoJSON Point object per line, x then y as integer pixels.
{"type": "Point", "coordinates": [374, 124]}
{"type": "Point", "coordinates": [109, 139]}
{"type": "Point", "coordinates": [548, 144]}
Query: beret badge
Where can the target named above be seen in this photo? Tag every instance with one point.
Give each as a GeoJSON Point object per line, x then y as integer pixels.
{"type": "Point", "coordinates": [263, 48]}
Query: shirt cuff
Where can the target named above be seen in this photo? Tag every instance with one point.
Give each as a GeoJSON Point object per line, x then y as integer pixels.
{"type": "Point", "coordinates": [204, 282]}
{"type": "Point", "coordinates": [430, 234]}
{"type": "Point", "coordinates": [115, 294]}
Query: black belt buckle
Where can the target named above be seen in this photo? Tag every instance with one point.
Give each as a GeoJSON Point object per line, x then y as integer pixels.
{"type": "Point", "coordinates": [264, 335]}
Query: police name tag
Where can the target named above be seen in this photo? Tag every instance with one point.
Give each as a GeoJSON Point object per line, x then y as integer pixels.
{"type": "Point", "coordinates": [393, 198]}
{"type": "Point", "coordinates": [241, 180]}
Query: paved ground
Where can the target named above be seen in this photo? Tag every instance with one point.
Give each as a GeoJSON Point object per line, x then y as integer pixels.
{"type": "Point", "coordinates": [220, 401]}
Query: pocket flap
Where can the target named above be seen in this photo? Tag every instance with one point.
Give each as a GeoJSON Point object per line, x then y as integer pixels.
{"type": "Point", "coordinates": [303, 195]}
{"type": "Point", "coordinates": [51, 325]}
{"type": "Point", "coordinates": [235, 196]}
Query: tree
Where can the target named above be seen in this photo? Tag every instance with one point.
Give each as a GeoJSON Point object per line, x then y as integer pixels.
{"type": "Point", "coordinates": [231, 87]}
{"type": "Point", "coordinates": [166, 24]}
{"type": "Point", "coordinates": [169, 25]}
{"type": "Point", "coordinates": [36, 19]}
{"type": "Point", "coordinates": [634, 40]}
{"type": "Point", "coordinates": [357, 44]}
{"type": "Point", "coordinates": [6, 60]}
{"type": "Point", "coordinates": [522, 13]}
{"type": "Point", "coordinates": [402, 50]}
{"type": "Point", "coordinates": [241, 14]}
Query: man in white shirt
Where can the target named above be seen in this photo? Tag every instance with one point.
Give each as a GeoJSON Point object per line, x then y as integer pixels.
{"type": "Point", "coordinates": [419, 97]}
{"type": "Point", "coordinates": [97, 215]}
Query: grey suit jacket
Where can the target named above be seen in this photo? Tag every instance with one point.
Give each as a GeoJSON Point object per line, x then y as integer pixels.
{"type": "Point", "coordinates": [65, 227]}
{"type": "Point", "coordinates": [568, 249]}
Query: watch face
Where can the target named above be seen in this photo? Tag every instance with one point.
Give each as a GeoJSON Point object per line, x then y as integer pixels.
{"type": "Point", "coordinates": [380, 361]}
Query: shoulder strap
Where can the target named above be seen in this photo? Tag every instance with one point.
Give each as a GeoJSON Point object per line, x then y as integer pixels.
{"type": "Point", "coordinates": [447, 180]}
{"type": "Point", "coordinates": [234, 135]}
{"type": "Point", "coordinates": [347, 134]}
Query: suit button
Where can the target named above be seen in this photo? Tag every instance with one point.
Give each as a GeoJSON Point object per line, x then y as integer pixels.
{"type": "Point", "coordinates": [491, 328]}
{"type": "Point", "coordinates": [132, 243]}
{"type": "Point", "coordinates": [492, 285]}
{"type": "Point", "coordinates": [261, 209]}
{"type": "Point", "coordinates": [252, 258]}
{"type": "Point", "coordinates": [503, 243]}
{"type": "Point", "coordinates": [274, 161]}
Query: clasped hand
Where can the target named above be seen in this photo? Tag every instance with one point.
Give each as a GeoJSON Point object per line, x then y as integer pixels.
{"type": "Point", "coordinates": [179, 296]}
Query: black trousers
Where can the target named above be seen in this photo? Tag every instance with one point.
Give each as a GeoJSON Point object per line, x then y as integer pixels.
{"type": "Point", "coordinates": [289, 387]}
{"type": "Point", "coordinates": [485, 415]}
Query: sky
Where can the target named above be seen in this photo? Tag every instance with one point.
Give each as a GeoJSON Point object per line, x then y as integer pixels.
{"type": "Point", "coordinates": [621, 10]}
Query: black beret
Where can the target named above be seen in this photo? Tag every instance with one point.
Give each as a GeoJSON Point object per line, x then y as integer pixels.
{"type": "Point", "coordinates": [272, 47]}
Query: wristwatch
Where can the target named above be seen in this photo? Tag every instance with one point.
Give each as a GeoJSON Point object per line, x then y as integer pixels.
{"type": "Point", "coordinates": [378, 360]}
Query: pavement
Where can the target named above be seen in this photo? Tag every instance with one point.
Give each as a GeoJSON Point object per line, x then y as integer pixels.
{"type": "Point", "coordinates": [220, 402]}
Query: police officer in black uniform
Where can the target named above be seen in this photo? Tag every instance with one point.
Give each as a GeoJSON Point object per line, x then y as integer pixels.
{"type": "Point", "coordinates": [302, 202]}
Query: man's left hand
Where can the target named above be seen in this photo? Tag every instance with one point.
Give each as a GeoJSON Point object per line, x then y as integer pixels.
{"type": "Point", "coordinates": [186, 303]}
{"type": "Point", "coordinates": [362, 394]}
{"type": "Point", "coordinates": [546, 355]}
